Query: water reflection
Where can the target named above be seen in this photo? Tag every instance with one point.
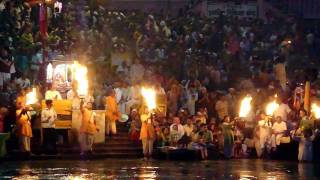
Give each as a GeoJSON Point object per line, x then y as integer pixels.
{"type": "Point", "coordinates": [137, 169]}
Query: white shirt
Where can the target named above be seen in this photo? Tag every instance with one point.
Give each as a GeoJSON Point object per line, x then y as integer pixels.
{"type": "Point", "coordinates": [180, 129]}
{"type": "Point", "coordinates": [48, 116]}
{"type": "Point", "coordinates": [52, 95]}
{"type": "Point", "coordinates": [118, 94]}
{"type": "Point", "coordinates": [23, 83]}
{"type": "Point", "coordinates": [70, 94]}
{"type": "Point", "coordinates": [282, 111]}
{"type": "Point", "coordinates": [279, 127]}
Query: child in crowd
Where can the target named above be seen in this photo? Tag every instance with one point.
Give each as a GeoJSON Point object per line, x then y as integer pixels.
{"type": "Point", "coordinates": [174, 136]}
{"type": "Point", "coordinates": [164, 137]}
{"type": "Point", "coordinates": [134, 131]}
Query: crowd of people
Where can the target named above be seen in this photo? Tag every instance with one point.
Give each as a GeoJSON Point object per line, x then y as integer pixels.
{"type": "Point", "coordinates": [203, 67]}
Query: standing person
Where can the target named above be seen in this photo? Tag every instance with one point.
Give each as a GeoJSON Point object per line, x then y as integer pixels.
{"type": "Point", "coordinates": [228, 137]}
{"type": "Point", "coordinates": [305, 145]}
{"type": "Point", "coordinates": [23, 131]}
{"type": "Point", "coordinates": [222, 107]}
{"type": "Point", "coordinates": [279, 128]}
{"type": "Point", "coordinates": [48, 118]}
{"type": "Point", "coordinates": [283, 110]}
{"type": "Point", "coordinates": [88, 128]}
{"type": "Point", "coordinates": [263, 134]}
{"type": "Point", "coordinates": [305, 122]}
{"type": "Point", "coordinates": [52, 93]}
{"type": "Point", "coordinates": [72, 95]}
{"type": "Point", "coordinates": [112, 113]}
{"type": "Point", "coordinates": [147, 133]}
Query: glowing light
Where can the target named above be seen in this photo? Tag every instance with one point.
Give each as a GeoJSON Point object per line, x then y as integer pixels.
{"type": "Point", "coordinates": [80, 75]}
{"type": "Point", "coordinates": [245, 106]}
{"type": "Point", "coordinates": [49, 72]}
{"type": "Point", "coordinates": [31, 97]}
{"type": "Point", "coordinates": [272, 107]}
{"type": "Point", "coordinates": [149, 96]}
{"type": "Point", "coordinates": [315, 109]}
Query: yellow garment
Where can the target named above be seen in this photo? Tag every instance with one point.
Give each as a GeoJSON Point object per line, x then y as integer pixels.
{"type": "Point", "coordinates": [21, 100]}
{"type": "Point", "coordinates": [23, 124]}
{"type": "Point", "coordinates": [87, 125]}
{"type": "Point", "coordinates": [112, 110]}
{"type": "Point", "coordinates": [147, 131]}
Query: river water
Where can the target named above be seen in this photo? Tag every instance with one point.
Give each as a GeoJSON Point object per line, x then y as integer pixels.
{"type": "Point", "coordinates": [138, 169]}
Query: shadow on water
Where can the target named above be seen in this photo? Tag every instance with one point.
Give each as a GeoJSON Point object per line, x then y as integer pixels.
{"type": "Point", "coordinates": [138, 169]}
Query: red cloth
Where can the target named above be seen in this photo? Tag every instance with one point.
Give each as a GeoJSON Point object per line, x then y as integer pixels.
{"type": "Point", "coordinates": [1, 123]}
{"type": "Point", "coordinates": [43, 20]}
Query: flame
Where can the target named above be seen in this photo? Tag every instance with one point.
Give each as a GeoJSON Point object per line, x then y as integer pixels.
{"type": "Point", "coordinates": [31, 97]}
{"type": "Point", "coordinates": [245, 106]}
{"type": "Point", "coordinates": [315, 109]}
{"type": "Point", "coordinates": [271, 107]}
{"type": "Point", "coordinates": [80, 75]}
{"type": "Point", "coordinates": [149, 96]}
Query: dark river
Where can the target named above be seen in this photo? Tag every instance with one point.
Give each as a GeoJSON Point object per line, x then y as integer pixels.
{"type": "Point", "coordinates": [138, 169]}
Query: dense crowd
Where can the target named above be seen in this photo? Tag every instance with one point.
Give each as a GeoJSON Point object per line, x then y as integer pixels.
{"type": "Point", "coordinates": [203, 67]}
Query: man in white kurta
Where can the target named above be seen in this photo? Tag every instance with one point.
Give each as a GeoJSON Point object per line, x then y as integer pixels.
{"type": "Point", "coordinates": [52, 93]}
{"type": "Point", "coordinates": [283, 110]}
{"type": "Point", "coordinates": [278, 128]}
{"type": "Point", "coordinates": [134, 98]}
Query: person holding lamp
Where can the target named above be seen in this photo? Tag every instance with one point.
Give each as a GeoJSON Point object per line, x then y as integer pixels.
{"type": "Point", "coordinates": [147, 133]}
{"type": "Point", "coordinates": [48, 118]}
{"type": "Point", "coordinates": [88, 128]}
{"type": "Point", "coordinates": [112, 113]}
{"type": "Point", "coordinates": [23, 128]}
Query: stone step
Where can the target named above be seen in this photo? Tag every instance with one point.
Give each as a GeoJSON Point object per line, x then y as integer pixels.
{"type": "Point", "coordinates": [75, 156]}
{"type": "Point", "coordinates": [102, 150]}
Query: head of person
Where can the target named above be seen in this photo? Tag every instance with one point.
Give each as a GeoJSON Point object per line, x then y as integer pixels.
{"type": "Point", "coordinates": [175, 127]}
{"type": "Point", "coordinates": [89, 105]}
{"type": "Point", "coordinates": [263, 115]}
{"type": "Point", "coordinates": [49, 103]}
{"type": "Point", "coordinates": [203, 127]}
{"type": "Point", "coordinates": [165, 130]}
{"type": "Point", "coordinates": [226, 119]}
{"type": "Point", "coordinates": [50, 86]}
{"type": "Point", "coordinates": [307, 133]}
{"type": "Point", "coordinates": [22, 92]}
{"type": "Point", "coordinates": [176, 120]}
{"type": "Point", "coordinates": [145, 110]}
{"type": "Point", "coordinates": [74, 86]}
{"type": "Point", "coordinates": [302, 113]}
{"type": "Point", "coordinates": [19, 105]}
{"type": "Point", "coordinates": [112, 93]}
{"type": "Point", "coordinates": [278, 119]}
{"type": "Point", "coordinates": [189, 121]}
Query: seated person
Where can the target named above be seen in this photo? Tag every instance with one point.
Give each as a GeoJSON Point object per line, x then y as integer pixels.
{"type": "Point", "coordinates": [279, 128]}
{"type": "Point", "coordinates": [52, 93]}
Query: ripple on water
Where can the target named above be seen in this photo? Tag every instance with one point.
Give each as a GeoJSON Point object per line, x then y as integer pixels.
{"type": "Point", "coordinates": [135, 169]}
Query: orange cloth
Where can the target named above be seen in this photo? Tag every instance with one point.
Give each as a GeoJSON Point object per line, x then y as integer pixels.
{"type": "Point", "coordinates": [147, 130]}
{"type": "Point", "coordinates": [22, 100]}
{"type": "Point", "coordinates": [23, 124]}
{"type": "Point", "coordinates": [112, 110]}
{"type": "Point", "coordinates": [88, 124]}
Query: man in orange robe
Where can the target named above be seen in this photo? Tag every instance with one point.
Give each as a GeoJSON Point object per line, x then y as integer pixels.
{"type": "Point", "coordinates": [112, 113]}
{"type": "Point", "coordinates": [23, 130]}
{"type": "Point", "coordinates": [88, 128]}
